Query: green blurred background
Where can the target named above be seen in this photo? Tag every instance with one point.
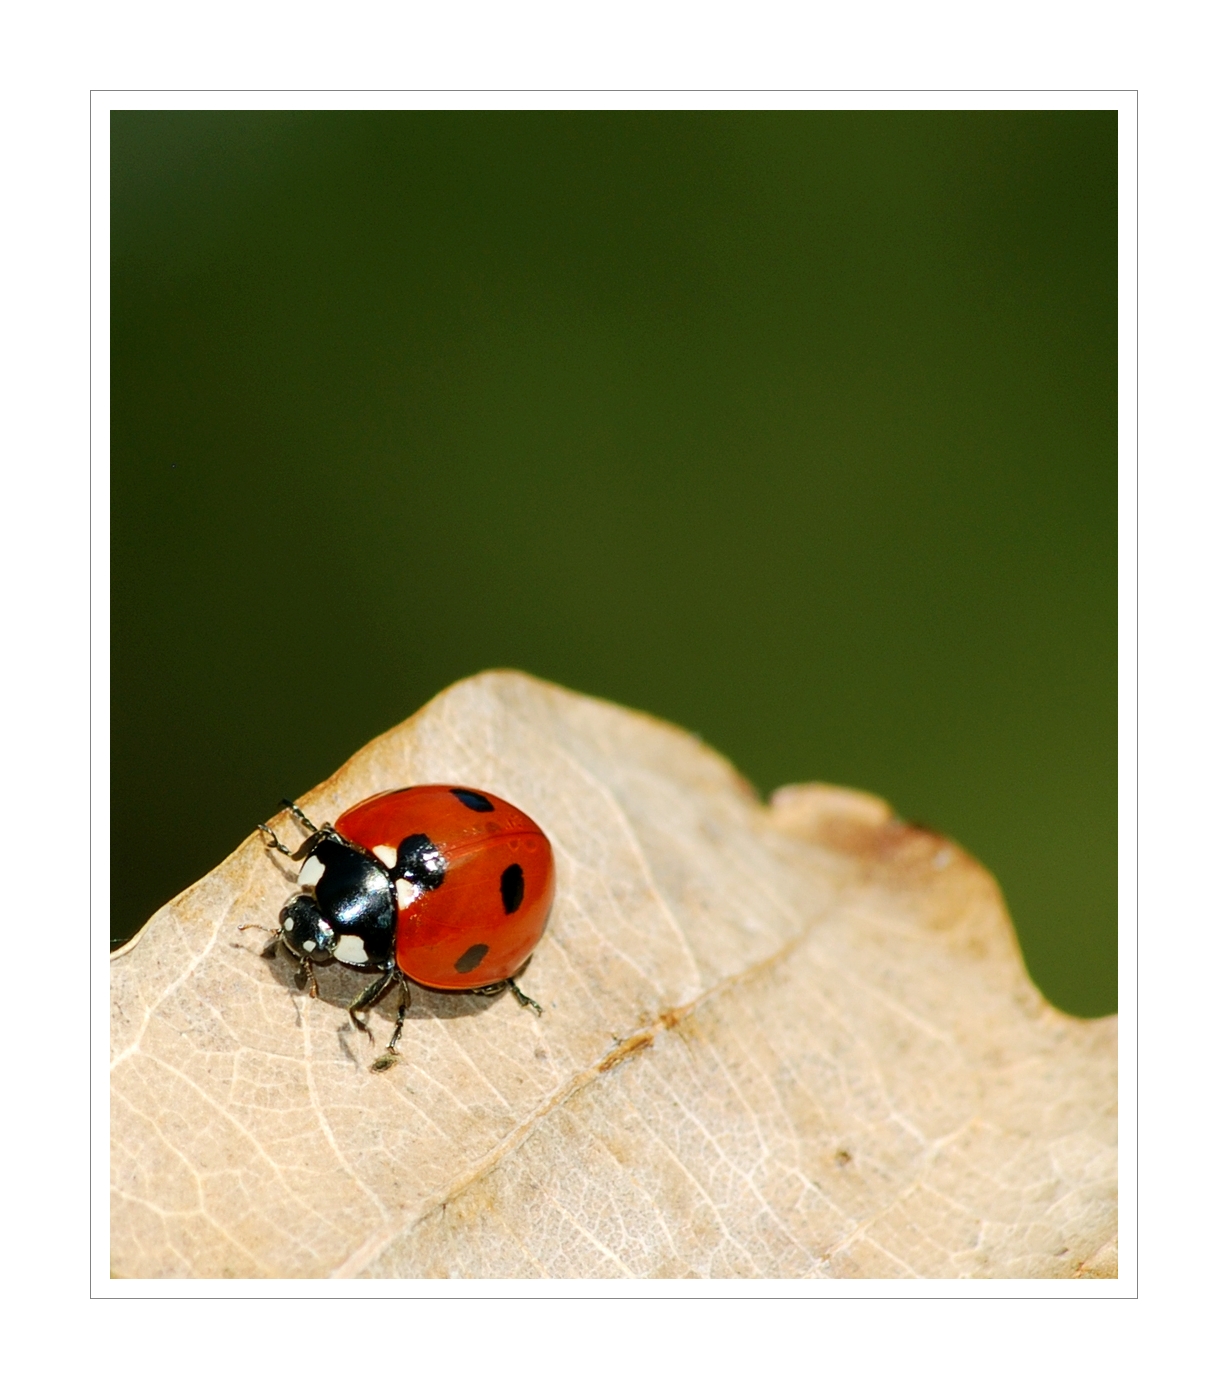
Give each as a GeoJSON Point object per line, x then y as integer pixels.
{"type": "Point", "coordinates": [797, 429]}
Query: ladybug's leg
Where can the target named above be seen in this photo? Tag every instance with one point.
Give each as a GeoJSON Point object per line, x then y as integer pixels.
{"type": "Point", "coordinates": [305, 848]}
{"type": "Point", "coordinates": [401, 1011]}
{"type": "Point", "coordinates": [307, 978]}
{"type": "Point", "coordinates": [369, 997]}
{"type": "Point", "coordinates": [493, 990]}
{"type": "Point", "coordinates": [391, 1056]}
{"type": "Point", "coordinates": [523, 999]}
{"type": "Point", "coordinates": [298, 815]}
{"type": "Point", "coordinates": [274, 842]}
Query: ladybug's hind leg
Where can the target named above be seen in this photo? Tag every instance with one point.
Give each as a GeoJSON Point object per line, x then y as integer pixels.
{"type": "Point", "coordinates": [493, 990]}
{"type": "Point", "coordinates": [523, 999]}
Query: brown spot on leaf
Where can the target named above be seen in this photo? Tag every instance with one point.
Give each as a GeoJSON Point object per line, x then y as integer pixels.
{"type": "Point", "coordinates": [625, 1048]}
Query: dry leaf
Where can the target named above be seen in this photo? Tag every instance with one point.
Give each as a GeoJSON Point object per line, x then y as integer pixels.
{"type": "Point", "coordinates": [787, 1041]}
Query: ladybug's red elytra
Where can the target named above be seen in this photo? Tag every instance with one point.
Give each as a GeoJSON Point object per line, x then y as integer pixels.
{"type": "Point", "coordinates": [442, 886]}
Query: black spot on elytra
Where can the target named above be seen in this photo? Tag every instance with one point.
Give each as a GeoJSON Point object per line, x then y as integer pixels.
{"type": "Point", "coordinates": [471, 959]}
{"type": "Point", "coordinates": [511, 887]}
{"type": "Point", "coordinates": [421, 862]}
{"type": "Point", "coordinates": [473, 799]}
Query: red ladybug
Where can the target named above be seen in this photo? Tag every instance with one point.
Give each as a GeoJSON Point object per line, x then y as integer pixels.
{"type": "Point", "coordinates": [443, 886]}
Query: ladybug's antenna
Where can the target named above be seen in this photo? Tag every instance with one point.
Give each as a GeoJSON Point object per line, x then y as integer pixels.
{"type": "Point", "coordinates": [298, 815]}
{"type": "Point", "coordinates": [271, 948]}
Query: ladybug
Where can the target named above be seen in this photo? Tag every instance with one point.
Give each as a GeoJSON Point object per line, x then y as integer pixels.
{"type": "Point", "coordinates": [441, 886]}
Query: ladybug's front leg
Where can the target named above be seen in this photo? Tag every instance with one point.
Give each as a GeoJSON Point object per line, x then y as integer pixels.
{"type": "Point", "coordinates": [307, 845]}
{"type": "Point", "coordinates": [306, 978]}
{"type": "Point", "coordinates": [299, 816]}
{"type": "Point", "coordinates": [274, 842]}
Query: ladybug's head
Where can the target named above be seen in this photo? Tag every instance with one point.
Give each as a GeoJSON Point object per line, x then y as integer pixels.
{"type": "Point", "coordinates": [305, 931]}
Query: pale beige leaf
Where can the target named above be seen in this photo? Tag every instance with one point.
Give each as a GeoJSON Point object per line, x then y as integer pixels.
{"type": "Point", "coordinates": [792, 1041]}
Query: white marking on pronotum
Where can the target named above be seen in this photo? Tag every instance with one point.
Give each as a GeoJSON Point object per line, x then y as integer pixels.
{"type": "Point", "coordinates": [407, 892]}
{"type": "Point", "coordinates": [311, 872]}
{"type": "Point", "coordinates": [309, 945]}
{"type": "Point", "coordinates": [386, 854]}
{"type": "Point", "coordinates": [350, 951]}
